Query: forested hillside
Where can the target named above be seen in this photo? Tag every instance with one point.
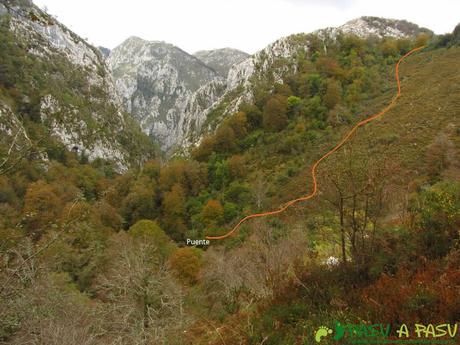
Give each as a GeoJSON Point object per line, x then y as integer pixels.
{"type": "Point", "coordinates": [90, 255]}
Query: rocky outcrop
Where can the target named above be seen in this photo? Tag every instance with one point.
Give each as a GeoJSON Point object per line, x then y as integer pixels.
{"type": "Point", "coordinates": [104, 51]}
{"type": "Point", "coordinates": [221, 60]}
{"type": "Point", "coordinates": [163, 87]}
{"type": "Point", "coordinates": [171, 92]}
{"type": "Point", "coordinates": [382, 27]}
{"type": "Point", "coordinates": [78, 103]}
{"type": "Point", "coordinates": [274, 60]}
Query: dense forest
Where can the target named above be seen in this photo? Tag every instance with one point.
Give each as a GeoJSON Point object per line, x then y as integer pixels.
{"type": "Point", "coordinates": [90, 255]}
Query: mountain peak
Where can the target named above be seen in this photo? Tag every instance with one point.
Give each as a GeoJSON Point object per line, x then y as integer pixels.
{"type": "Point", "coordinates": [171, 92]}
{"type": "Point", "coordinates": [134, 39]}
{"type": "Point", "coordinates": [221, 60]}
{"type": "Point", "coordinates": [160, 85]}
{"type": "Point", "coordinates": [366, 26]}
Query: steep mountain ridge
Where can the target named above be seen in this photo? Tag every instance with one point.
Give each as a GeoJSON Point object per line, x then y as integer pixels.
{"type": "Point", "coordinates": [64, 86]}
{"type": "Point", "coordinates": [382, 27]}
{"type": "Point", "coordinates": [104, 51]}
{"type": "Point", "coordinates": [162, 86]}
{"type": "Point", "coordinates": [275, 61]}
{"type": "Point", "coordinates": [221, 60]}
{"type": "Point", "coordinates": [167, 108]}
{"type": "Point", "coordinates": [287, 47]}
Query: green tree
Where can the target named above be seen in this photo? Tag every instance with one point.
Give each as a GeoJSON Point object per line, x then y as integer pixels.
{"type": "Point", "coordinates": [151, 169]}
{"type": "Point", "coordinates": [314, 84]}
{"type": "Point", "coordinates": [253, 115]}
{"type": "Point", "coordinates": [220, 174]}
{"type": "Point", "coordinates": [147, 231]}
{"type": "Point", "coordinates": [238, 193]}
{"type": "Point", "coordinates": [140, 203]}
{"type": "Point", "coordinates": [389, 47]}
{"type": "Point", "coordinates": [314, 109]}
{"type": "Point", "coordinates": [422, 39]}
{"type": "Point", "coordinates": [437, 214]}
{"type": "Point", "coordinates": [294, 105]}
{"type": "Point", "coordinates": [231, 210]}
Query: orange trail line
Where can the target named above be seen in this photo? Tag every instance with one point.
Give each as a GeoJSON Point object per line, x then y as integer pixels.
{"type": "Point", "coordinates": [315, 165]}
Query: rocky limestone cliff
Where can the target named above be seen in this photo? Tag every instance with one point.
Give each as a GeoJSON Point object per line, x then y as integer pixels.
{"type": "Point", "coordinates": [382, 27]}
{"type": "Point", "coordinates": [163, 87]}
{"type": "Point", "coordinates": [221, 60]}
{"type": "Point", "coordinates": [70, 88]}
{"type": "Point", "coordinates": [171, 93]}
{"type": "Point", "coordinates": [104, 51]}
{"type": "Point", "coordinates": [274, 60]}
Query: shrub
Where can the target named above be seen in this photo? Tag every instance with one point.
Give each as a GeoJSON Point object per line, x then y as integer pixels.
{"type": "Point", "coordinates": [147, 230]}
{"type": "Point", "coordinates": [186, 262]}
{"type": "Point", "coordinates": [212, 212]}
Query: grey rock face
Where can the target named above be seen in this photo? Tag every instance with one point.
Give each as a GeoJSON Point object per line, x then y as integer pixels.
{"type": "Point", "coordinates": [96, 129]}
{"type": "Point", "coordinates": [163, 87]}
{"type": "Point", "coordinates": [383, 27]}
{"type": "Point", "coordinates": [104, 51]}
{"type": "Point", "coordinates": [258, 65]}
{"type": "Point", "coordinates": [221, 60]}
{"type": "Point", "coordinates": [171, 92]}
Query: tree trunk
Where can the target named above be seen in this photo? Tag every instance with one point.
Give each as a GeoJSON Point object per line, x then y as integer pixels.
{"type": "Point", "coordinates": [342, 231]}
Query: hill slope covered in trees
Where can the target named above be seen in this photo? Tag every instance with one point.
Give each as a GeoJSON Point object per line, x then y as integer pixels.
{"type": "Point", "coordinates": [92, 256]}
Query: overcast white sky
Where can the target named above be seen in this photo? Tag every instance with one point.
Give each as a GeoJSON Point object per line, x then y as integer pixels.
{"type": "Point", "coordinates": [248, 25]}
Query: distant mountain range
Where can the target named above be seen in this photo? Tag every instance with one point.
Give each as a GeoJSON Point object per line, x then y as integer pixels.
{"type": "Point", "coordinates": [221, 60]}
{"type": "Point", "coordinates": [171, 92]}
{"type": "Point", "coordinates": [175, 97]}
{"type": "Point", "coordinates": [163, 87]}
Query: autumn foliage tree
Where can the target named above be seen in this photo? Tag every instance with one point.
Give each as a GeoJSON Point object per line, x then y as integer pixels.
{"type": "Point", "coordinates": [333, 93]}
{"type": "Point", "coordinates": [236, 166]}
{"type": "Point", "coordinates": [41, 207]}
{"type": "Point", "coordinates": [213, 212]}
{"type": "Point", "coordinates": [275, 113]}
{"type": "Point", "coordinates": [204, 150]}
{"type": "Point", "coordinates": [329, 67]}
{"type": "Point", "coordinates": [239, 123]}
{"type": "Point", "coordinates": [174, 211]}
{"type": "Point", "coordinates": [225, 139]}
{"type": "Point", "coordinates": [186, 262]}
{"type": "Point", "coordinates": [191, 176]}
